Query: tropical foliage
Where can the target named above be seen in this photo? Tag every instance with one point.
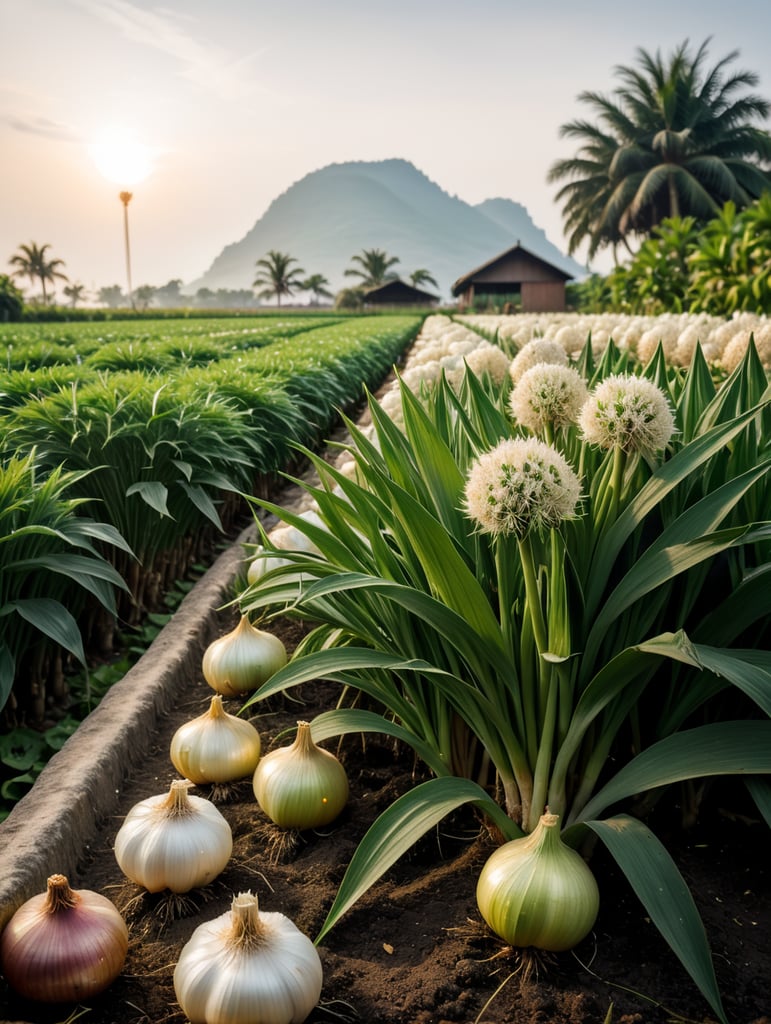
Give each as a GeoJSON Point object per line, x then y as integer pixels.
{"type": "Point", "coordinates": [11, 300]}
{"type": "Point", "coordinates": [719, 268]}
{"type": "Point", "coordinates": [421, 277]}
{"type": "Point", "coordinates": [678, 138]}
{"type": "Point", "coordinates": [33, 262]}
{"type": "Point", "coordinates": [316, 284]}
{"type": "Point", "coordinates": [277, 277]}
{"type": "Point", "coordinates": [568, 658]}
{"type": "Point", "coordinates": [373, 267]}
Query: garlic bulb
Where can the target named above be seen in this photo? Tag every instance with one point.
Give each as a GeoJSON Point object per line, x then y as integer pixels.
{"type": "Point", "coordinates": [248, 967]}
{"type": "Point", "coordinates": [63, 945]}
{"type": "Point", "coordinates": [301, 786]}
{"type": "Point", "coordinates": [537, 891]}
{"type": "Point", "coordinates": [243, 659]}
{"type": "Point", "coordinates": [173, 841]}
{"type": "Point", "coordinates": [216, 746]}
{"type": "Point", "coordinates": [263, 563]}
{"type": "Point", "coordinates": [290, 538]}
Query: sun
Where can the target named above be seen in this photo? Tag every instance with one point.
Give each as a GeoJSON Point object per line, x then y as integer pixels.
{"type": "Point", "coordinates": [122, 160]}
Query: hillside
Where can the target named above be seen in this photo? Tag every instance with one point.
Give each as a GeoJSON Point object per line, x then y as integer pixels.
{"type": "Point", "coordinates": [335, 212]}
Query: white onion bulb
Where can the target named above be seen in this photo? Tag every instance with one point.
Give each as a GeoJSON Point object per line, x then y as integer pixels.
{"type": "Point", "coordinates": [248, 967]}
{"type": "Point", "coordinates": [216, 746]}
{"type": "Point", "coordinates": [243, 659]}
{"type": "Point", "coordinates": [173, 841]}
{"type": "Point", "coordinates": [301, 786]}
{"type": "Point", "coordinates": [537, 891]}
{"type": "Point", "coordinates": [263, 563]}
{"type": "Point", "coordinates": [63, 945]}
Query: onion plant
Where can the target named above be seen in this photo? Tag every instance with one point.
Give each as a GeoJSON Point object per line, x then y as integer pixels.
{"type": "Point", "coordinates": [156, 463]}
{"type": "Point", "coordinates": [550, 615]}
{"type": "Point", "coordinates": [50, 567]}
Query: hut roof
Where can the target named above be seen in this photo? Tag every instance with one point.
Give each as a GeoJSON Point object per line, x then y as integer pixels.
{"type": "Point", "coordinates": [398, 292]}
{"type": "Point", "coordinates": [467, 279]}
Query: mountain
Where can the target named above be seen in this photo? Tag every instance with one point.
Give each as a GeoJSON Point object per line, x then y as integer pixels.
{"type": "Point", "coordinates": [335, 212]}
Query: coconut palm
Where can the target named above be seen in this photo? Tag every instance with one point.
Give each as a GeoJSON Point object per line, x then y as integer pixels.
{"type": "Point", "coordinates": [676, 139]}
{"type": "Point", "coordinates": [31, 261]}
{"type": "Point", "coordinates": [276, 276]}
{"type": "Point", "coordinates": [75, 293]}
{"type": "Point", "coordinates": [316, 285]}
{"type": "Point", "coordinates": [422, 276]}
{"type": "Point", "coordinates": [374, 267]}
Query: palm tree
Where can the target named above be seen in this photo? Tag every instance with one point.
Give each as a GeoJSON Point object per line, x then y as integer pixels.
{"type": "Point", "coordinates": [276, 276]}
{"type": "Point", "coordinates": [676, 139]}
{"type": "Point", "coordinates": [33, 263]}
{"type": "Point", "coordinates": [419, 277]}
{"type": "Point", "coordinates": [75, 293]}
{"type": "Point", "coordinates": [374, 267]}
{"type": "Point", "coordinates": [316, 285]}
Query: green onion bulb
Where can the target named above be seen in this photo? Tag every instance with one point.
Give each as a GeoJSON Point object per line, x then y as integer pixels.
{"type": "Point", "coordinates": [301, 786]}
{"type": "Point", "coordinates": [537, 891]}
{"type": "Point", "coordinates": [243, 659]}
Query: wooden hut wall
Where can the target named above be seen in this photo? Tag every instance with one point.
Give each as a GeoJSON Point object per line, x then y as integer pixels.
{"type": "Point", "coordinates": [543, 296]}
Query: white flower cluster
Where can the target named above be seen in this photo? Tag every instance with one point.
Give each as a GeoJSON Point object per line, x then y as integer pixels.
{"type": "Point", "coordinates": [628, 412]}
{"type": "Point", "coordinates": [723, 340]}
{"type": "Point", "coordinates": [519, 485]}
{"type": "Point", "coordinates": [548, 395]}
{"type": "Point", "coordinates": [539, 350]}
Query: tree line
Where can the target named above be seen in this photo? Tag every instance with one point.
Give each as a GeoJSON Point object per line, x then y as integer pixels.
{"type": "Point", "coordinates": [278, 277]}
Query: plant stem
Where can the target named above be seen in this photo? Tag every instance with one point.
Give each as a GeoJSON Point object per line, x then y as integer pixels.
{"type": "Point", "coordinates": [617, 482]}
{"type": "Point", "coordinates": [543, 761]}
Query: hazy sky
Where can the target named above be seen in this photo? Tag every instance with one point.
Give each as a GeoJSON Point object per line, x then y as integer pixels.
{"type": "Point", "coordinates": [238, 99]}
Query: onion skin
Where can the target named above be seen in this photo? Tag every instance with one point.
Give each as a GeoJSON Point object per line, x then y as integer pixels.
{"type": "Point", "coordinates": [173, 841]}
{"type": "Point", "coordinates": [248, 967]}
{"type": "Point", "coordinates": [215, 747]}
{"type": "Point", "coordinates": [63, 945]}
{"type": "Point", "coordinates": [539, 892]}
{"type": "Point", "coordinates": [301, 786]}
{"type": "Point", "coordinates": [242, 660]}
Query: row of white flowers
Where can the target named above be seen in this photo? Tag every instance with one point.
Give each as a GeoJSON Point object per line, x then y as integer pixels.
{"type": "Point", "coordinates": [723, 341]}
{"type": "Point", "coordinates": [625, 411]}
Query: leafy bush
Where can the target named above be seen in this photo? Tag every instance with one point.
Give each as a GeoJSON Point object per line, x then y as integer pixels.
{"type": "Point", "coordinates": [11, 300]}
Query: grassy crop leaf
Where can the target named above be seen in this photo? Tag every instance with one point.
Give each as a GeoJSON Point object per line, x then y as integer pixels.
{"type": "Point", "coordinates": [153, 493]}
{"type": "Point", "coordinates": [720, 748]}
{"type": "Point", "coordinates": [760, 791]}
{"type": "Point", "coordinates": [53, 620]}
{"type": "Point", "coordinates": [343, 721]}
{"type": "Point", "coordinates": [7, 672]}
{"type": "Point", "coordinates": [671, 473]}
{"type": "Point", "coordinates": [202, 501]}
{"type": "Point", "coordinates": [399, 827]}
{"type": "Point", "coordinates": [661, 889]}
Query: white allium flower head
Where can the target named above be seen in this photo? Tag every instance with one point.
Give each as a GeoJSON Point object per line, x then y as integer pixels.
{"type": "Point", "coordinates": [520, 484]}
{"type": "Point", "coordinates": [629, 412]}
{"type": "Point", "coordinates": [548, 393]}
{"type": "Point", "coordinates": [489, 359]}
{"type": "Point", "coordinates": [537, 351]}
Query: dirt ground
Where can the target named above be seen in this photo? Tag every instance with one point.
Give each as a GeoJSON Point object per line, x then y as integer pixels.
{"type": "Point", "coordinates": [414, 950]}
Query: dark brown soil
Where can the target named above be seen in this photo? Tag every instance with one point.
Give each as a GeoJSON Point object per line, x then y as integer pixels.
{"type": "Point", "coordinates": [414, 950]}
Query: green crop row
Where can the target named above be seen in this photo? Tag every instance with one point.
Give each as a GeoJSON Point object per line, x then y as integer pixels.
{"type": "Point", "coordinates": [158, 460]}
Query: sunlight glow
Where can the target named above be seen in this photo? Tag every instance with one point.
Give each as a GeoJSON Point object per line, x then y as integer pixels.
{"type": "Point", "coordinates": [122, 160]}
